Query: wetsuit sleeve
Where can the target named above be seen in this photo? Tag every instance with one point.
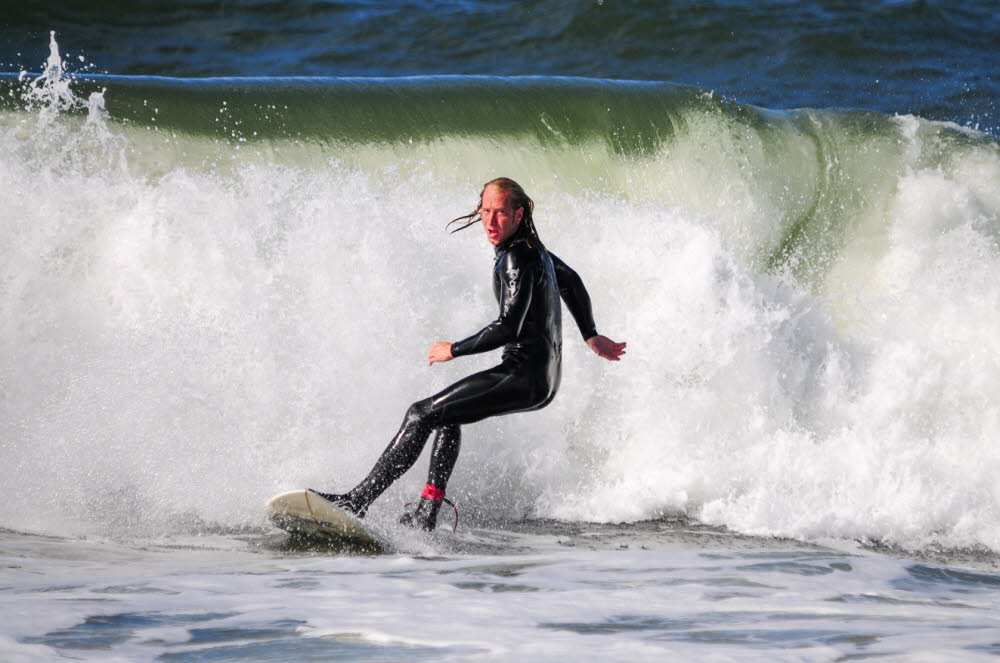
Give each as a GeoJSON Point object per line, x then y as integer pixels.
{"type": "Point", "coordinates": [575, 295]}
{"type": "Point", "coordinates": [517, 279]}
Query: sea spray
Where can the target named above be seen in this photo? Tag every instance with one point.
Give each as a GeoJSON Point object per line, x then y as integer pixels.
{"type": "Point", "coordinates": [49, 94]}
{"type": "Point", "coordinates": [807, 296]}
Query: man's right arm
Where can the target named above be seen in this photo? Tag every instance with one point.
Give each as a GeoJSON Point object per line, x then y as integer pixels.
{"type": "Point", "coordinates": [516, 287]}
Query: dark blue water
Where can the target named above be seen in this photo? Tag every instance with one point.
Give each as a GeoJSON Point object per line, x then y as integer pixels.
{"type": "Point", "coordinates": [931, 58]}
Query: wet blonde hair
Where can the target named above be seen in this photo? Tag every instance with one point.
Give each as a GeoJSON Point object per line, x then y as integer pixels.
{"type": "Point", "coordinates": [518, 199]}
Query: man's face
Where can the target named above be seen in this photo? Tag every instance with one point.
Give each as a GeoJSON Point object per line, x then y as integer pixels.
{"type": "Point", "coordinates": [500, 220]}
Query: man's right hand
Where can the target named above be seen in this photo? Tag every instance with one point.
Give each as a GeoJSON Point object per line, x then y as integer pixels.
{"type": "Point", "coordinates": [440, 351]}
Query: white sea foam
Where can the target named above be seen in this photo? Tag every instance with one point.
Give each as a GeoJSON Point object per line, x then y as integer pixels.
{"type": "Point", "coordinates": [241, 321]}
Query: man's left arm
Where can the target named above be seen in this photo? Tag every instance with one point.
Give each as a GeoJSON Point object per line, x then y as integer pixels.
{"type": "Point", "coordinates": [573, 292]}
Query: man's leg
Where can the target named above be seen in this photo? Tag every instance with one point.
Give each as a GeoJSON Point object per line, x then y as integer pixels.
{"type": "Point", "coordinates": [444, 454]}
{"type": "Point", "coordinates": [498, 390]}
{"type": "Point", "coordinates": [398, 457]}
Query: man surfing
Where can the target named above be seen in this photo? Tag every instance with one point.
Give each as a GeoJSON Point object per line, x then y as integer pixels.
{"type": "Point", "coordinates": [528, 282]}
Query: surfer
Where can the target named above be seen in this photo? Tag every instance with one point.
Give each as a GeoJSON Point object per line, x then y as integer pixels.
{"type": "Point", "coordinates": [528, 282]}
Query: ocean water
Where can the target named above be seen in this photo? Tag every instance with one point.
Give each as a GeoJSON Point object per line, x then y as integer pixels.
{"type": "Point", "coordinates": [225, 257]}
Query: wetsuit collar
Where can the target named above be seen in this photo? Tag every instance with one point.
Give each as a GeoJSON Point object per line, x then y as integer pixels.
{"type": "Point", "coordinates": [520, 234]}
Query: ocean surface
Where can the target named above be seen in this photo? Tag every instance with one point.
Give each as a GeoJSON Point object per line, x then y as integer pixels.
{"type": "Point", "coordinates": [225, 257]}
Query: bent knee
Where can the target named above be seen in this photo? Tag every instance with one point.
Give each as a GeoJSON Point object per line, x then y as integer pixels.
{"type": "Point", "coordinates": [421, 412]}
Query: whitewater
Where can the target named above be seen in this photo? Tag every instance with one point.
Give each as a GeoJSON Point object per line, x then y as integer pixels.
{"type": "Point", "coordinates": [216, 290]}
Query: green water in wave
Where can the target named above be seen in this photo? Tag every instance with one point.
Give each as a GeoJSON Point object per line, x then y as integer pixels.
{"type": "Point", "coordinates": [789, 187]}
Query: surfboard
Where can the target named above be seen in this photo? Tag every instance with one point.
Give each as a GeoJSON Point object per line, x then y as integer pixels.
{"type": "Point", "coordinates": [304, 513]}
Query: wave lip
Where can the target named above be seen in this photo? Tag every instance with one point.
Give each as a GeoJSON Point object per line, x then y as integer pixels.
{"type": "Point", "coordinates": [632, 116]}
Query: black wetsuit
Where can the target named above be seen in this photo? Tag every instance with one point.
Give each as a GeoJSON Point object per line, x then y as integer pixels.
{"type": "Point", "coordinates": [528, 282]}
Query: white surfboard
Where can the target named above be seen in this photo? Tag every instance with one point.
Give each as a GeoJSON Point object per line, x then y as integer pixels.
{"type": "Point", "coordinates": [304, 512]}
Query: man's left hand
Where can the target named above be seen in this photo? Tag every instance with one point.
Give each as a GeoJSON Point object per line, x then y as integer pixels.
{"type": "Point", "coordinates": [606, 348]}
